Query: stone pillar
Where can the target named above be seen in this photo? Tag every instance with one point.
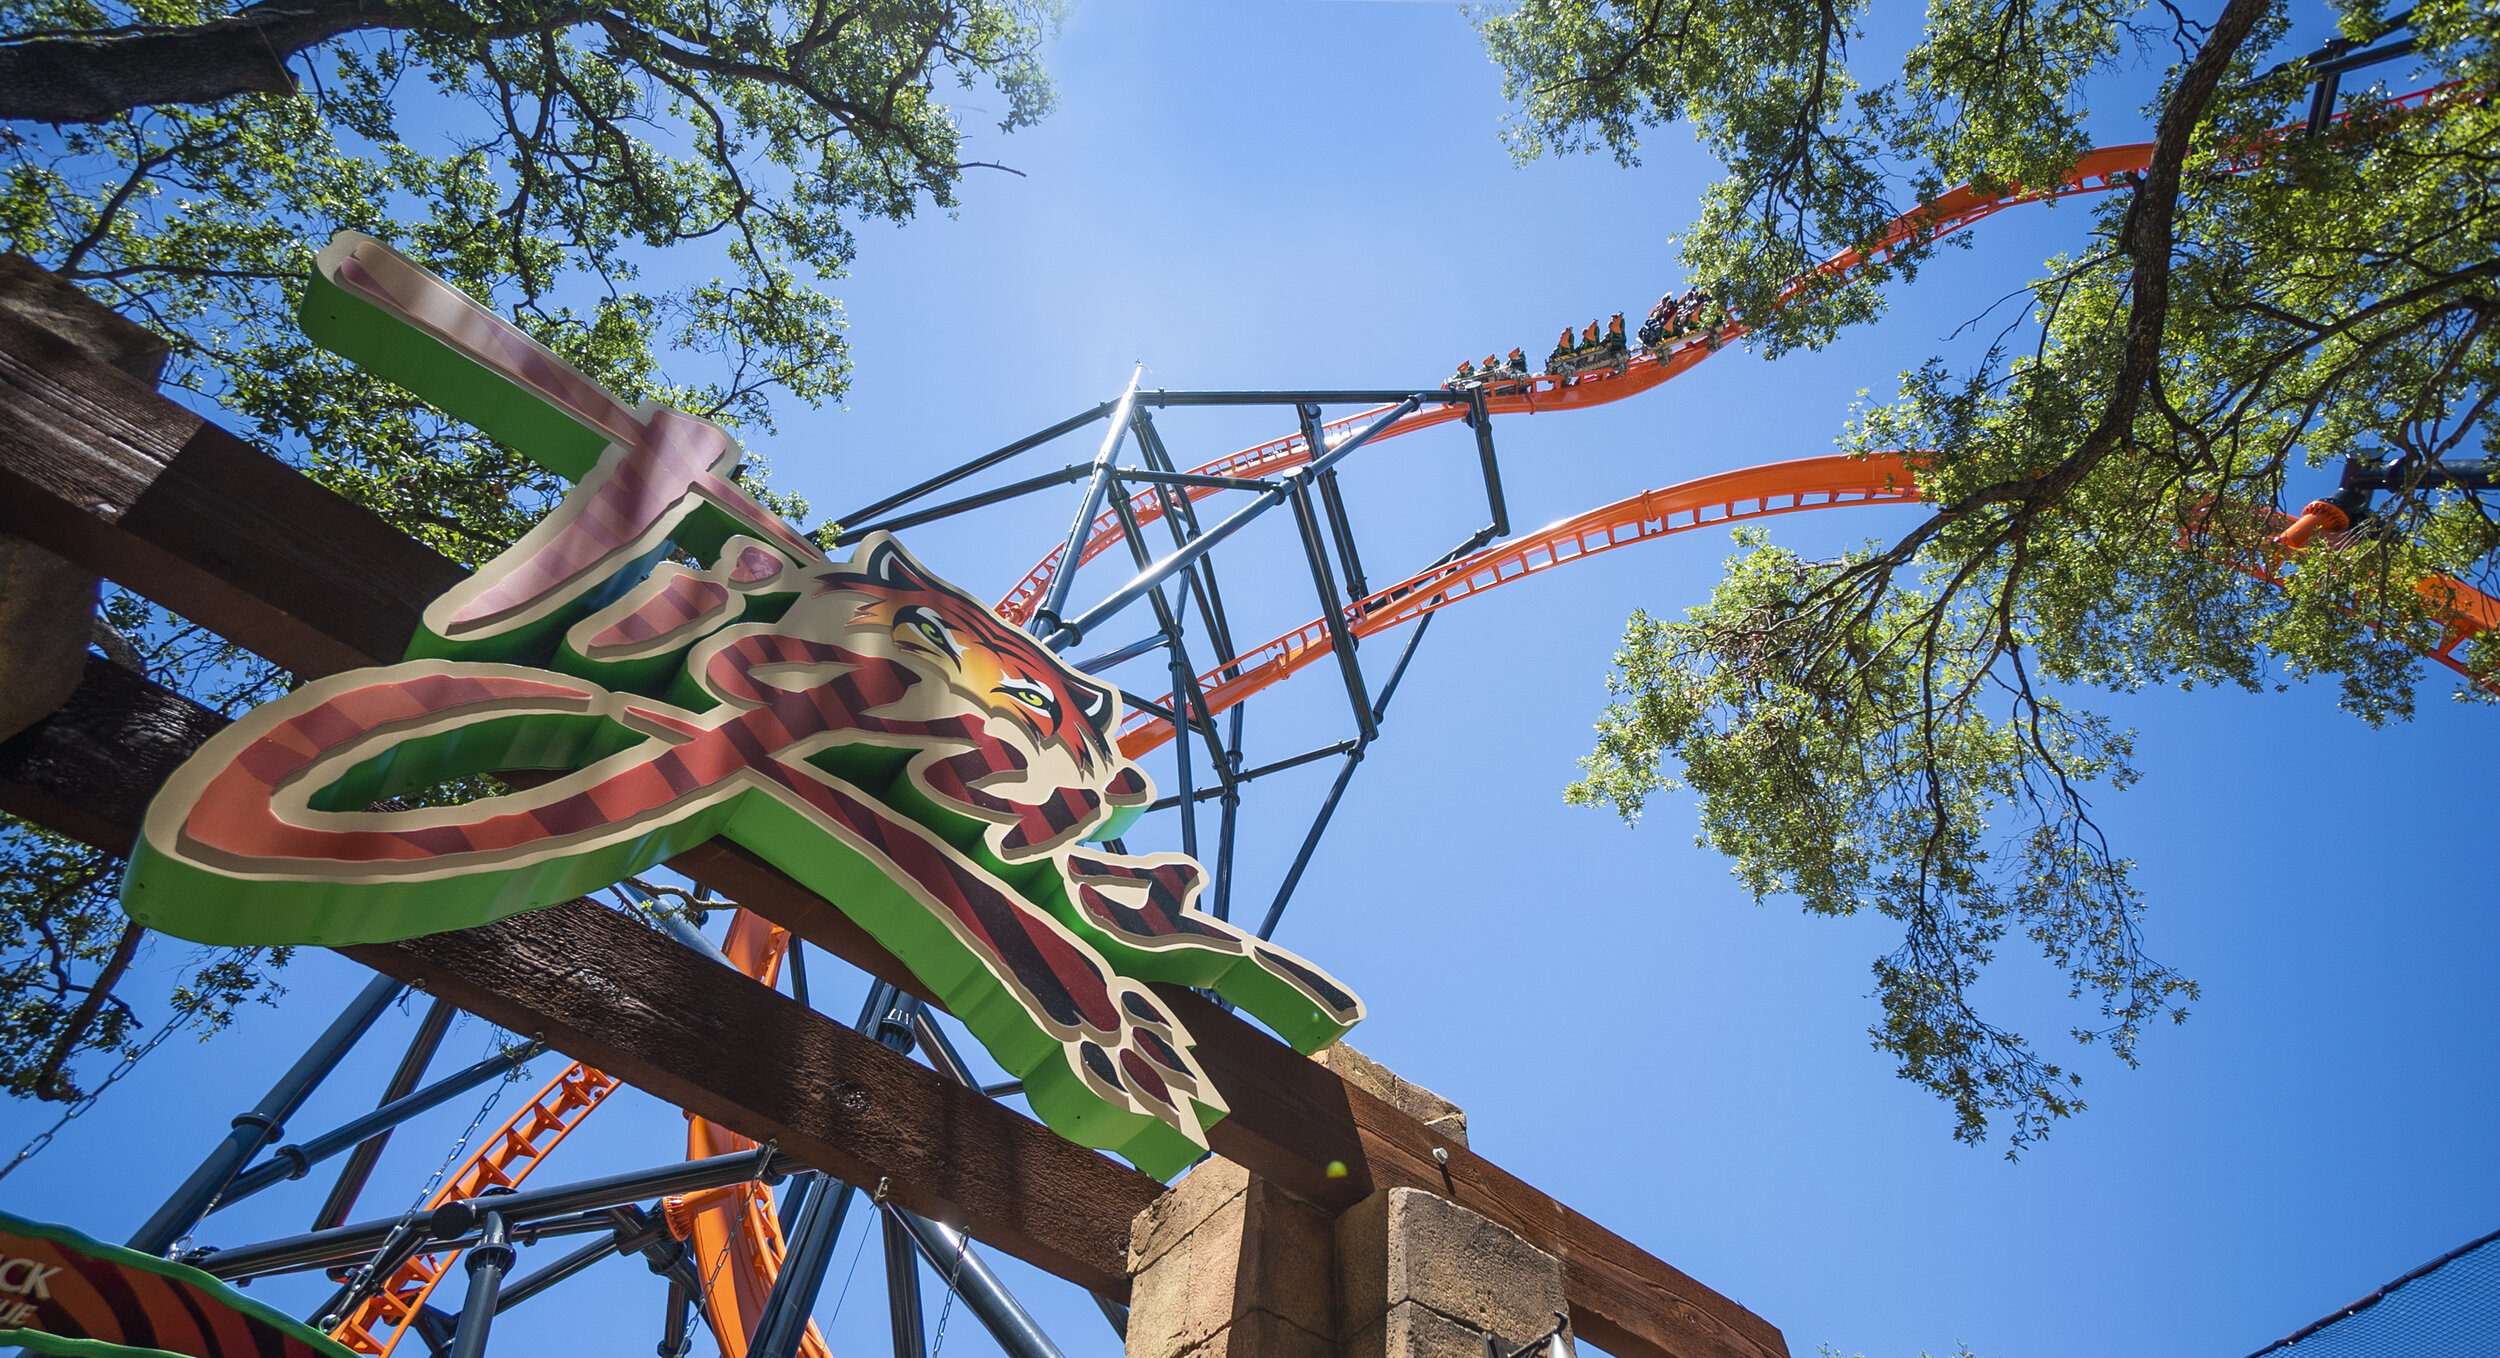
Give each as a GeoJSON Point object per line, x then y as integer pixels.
{"type": "Point", "coordinates": [1230, 1266]}
{"type": "Point", "coordinates": [1419, 1276]}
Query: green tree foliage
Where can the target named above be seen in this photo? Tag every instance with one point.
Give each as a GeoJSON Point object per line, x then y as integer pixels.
{"type": "Point", "coordinates": [628, 182]}
{"type": "Point", "coordinates": [1895, 731]}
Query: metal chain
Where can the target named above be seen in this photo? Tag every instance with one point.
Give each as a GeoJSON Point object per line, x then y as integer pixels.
{"type": "Point", "coordinates": [953, 1275]}
{"type": "Point", "coordinates": [357, 1284]}
{"type": "Point", "coordinates": [44, 1138]}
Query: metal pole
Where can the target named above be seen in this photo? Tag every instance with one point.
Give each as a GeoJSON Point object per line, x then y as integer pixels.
{"type": "Point", "coordinates": [796, 959]}
{"type": "Point", "coordinates": [542, 1279]}
{"type": "Point", "coordinates": [902, 1287]}
{"type": "Point", "coordinates": [970, 1275]}
{"type": "Point", "coordinates": [1345, 775]}
{"type": "Point", "coordinates": [1181, 517]}
{"type": "Point", "coordinates": [264, 1123]}
{"type": "Point", "coordinates": [1279, 766]}
{"type": "Point", "coordinates": [1316, 439]}
{"type": "Point", "coordinates": [1341, 639]}
{"type": "Point", "coordinates": [1191, 704]}
{"type": "Point", "coordinates": [980, 500]}
{"type": "Point", "coordinates": [1310, 842]}
{"type": "Point", "coordinates": [677, 1323]}
{"type": "Point", "coordinates": [454, 1219]}
{"type": "Point", "coordinates": [1011, 1317]}
{"type": "Point", "coordinates": [293, 1162]}
{"type": "Point", "coordinates": [359, 1166]}
{"type": "Point", "coordinates": [1069, 633]}
{"type": "Point", "coordinates": [979, 464]}
{"type": "Point", "coordinates": [1224, 832]}
{"type": "Point", "coordinates": [1482, 419]}
{"type": "Point", "coordinates": [684, 931]}
{"type": "Point", "coordinates": [1046, 617]}
{"type": "Point", "coordinates": [487, 1261]}
{"type": "Point", "coordinates": [794, 1196]}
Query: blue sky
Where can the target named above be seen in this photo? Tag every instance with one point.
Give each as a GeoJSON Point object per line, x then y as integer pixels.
{"type": "Point", "coordinates": [1270, 194]}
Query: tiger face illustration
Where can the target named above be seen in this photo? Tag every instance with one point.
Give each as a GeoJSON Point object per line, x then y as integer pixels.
{"type": "Point", "coordinates": [1007, 672]}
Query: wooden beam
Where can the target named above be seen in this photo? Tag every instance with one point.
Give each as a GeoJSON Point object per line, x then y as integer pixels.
{"type": "Point", "coordinates": [89, 770]}
{"type": "Point", "coordinates": [107, 473]}
{"type": "Point", "coordinates": [637, 1004]}
{"type": "Point", "coordinates": [111, 476]}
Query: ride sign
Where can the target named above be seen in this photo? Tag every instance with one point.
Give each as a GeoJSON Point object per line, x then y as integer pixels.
{"type": "Point", "coordinates": [869, 729]}
{"type": "Point", "coordinates": [62, 1292]}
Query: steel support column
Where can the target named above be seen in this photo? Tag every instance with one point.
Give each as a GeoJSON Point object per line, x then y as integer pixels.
{"type": "Point", "coordinates": [1340, 528]}
{"type": "Point", "coordinates": [902, 1286]}
{"type": "Point", "coordinates": [1074, 630]}
{"type": "Point", "coordinates": [1072, 555]}
{"type": "Point", "coordinates": [1340, 638]}
{"type": "Point", "coordinates": [885, 1016]}
{"type": "Point", "coordinates": [293, 1162]}
{"type": "Point", "coordinates": [962, 1266]}
{"type": "Point", "coordinates": [412, 1064]}
{"type": "Point", "coordinates": [264, 1123]}
{"type": "Point", "coordinates": [1481, 419]}
{"type": "Point", "coordinates": [488, 1261]}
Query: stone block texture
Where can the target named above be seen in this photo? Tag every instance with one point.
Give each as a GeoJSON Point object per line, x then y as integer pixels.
{"type": "Point", "coordinates": [1421, 1277]}
{"type": "Point", "coordinates": [1230, 1266]}
{"type": "Point", "coordinates": [1397, 1091]}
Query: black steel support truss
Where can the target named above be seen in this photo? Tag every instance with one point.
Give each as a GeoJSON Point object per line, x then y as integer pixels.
{"type": "Point", "coordinates": [453, 1220]}
{"type": "Point", "coordinates": [293, 1162]}
{"type": "Point", "coordinates": [412, 1064]}
{"type": "Point", "coordinates": [264, 1123]}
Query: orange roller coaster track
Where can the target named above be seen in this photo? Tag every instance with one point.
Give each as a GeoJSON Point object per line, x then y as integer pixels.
{"type": "Point", "coordinates": [1728, 497]}
{"type": "Point", "coordinates": [2097, 171]}
{"type": "Point", "coordinates": [1835, 482]}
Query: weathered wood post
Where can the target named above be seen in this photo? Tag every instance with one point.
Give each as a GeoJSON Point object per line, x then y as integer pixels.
{"type": "Point", "coordinates": [1229, 1265]}
{"type": "Point", "coordinates": [47, 604]}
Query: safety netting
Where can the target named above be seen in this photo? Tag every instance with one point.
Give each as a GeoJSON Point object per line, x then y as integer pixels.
{"type": "Point", "coordinates": [2447, 1308]}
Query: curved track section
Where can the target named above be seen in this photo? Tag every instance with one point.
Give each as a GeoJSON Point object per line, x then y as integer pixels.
{"type": "Point", "coordinates": [383, 1318]}
{"type": "Point", "coordinates": [1835, 482]}
{"type": "Point", "coordinates": [2098, 171]}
